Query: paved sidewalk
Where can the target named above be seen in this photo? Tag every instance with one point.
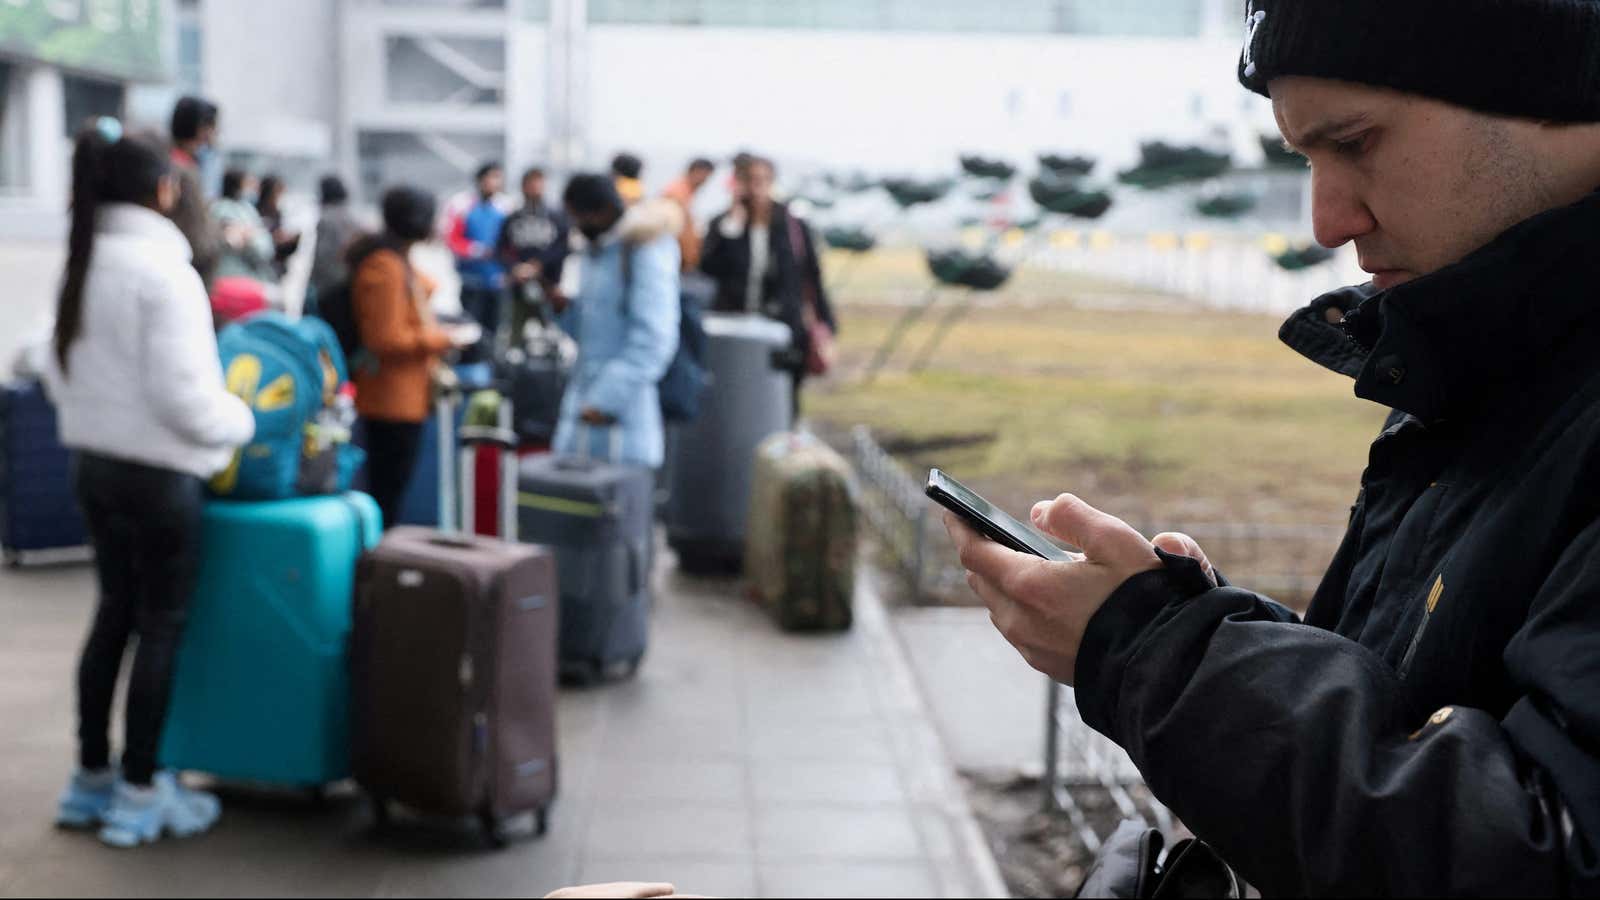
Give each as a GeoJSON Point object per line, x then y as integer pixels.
{"type": "Point", "coordinates": [986, 702]}
{"type": "Point", "coordinates": [742, 762]}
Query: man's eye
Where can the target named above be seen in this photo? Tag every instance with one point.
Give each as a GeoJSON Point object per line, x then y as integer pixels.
{"type": "Point", "coordinates": [1352, 147]}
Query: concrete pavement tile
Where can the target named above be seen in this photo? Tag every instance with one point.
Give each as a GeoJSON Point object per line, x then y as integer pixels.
{"type": "Point", "coordinates": [787, 833]}
{"type": "Point", "coordinates": [632, 831]}
{"type": "Point", "coordinates": [711, 879]}
{"type": "Point", "coordinates": [844, 880]}
{"type": "Point", "coordinates": [858, 740]}
{"type": "Point", "coordinates": [869, 785]}
{"type": "Point", "coordinates": [803, 704]}
{"type": "Point", "coordinates": [672, 739]}
{"type": "Point", "coordinates": [712, 783]}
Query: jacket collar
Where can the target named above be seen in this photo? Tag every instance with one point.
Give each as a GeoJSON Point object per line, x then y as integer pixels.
{"type": "Point", "coordinates": [1435, 347]}
{"type": "Point", "coordinates": [141, 222]}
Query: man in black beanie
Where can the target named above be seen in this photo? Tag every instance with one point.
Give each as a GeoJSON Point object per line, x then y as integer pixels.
{"type": "Point", "coordinates": [1433, 725]}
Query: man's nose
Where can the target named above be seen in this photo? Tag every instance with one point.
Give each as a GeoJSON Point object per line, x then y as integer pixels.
{"type": "Point", "coordinates": [1338, 214]}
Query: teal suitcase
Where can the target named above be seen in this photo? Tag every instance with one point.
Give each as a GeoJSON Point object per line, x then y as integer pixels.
{"type": "Point", "coordinates": [261, 691]}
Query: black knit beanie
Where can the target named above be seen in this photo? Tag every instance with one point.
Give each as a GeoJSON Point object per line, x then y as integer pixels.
{"type": "Point", "coordinates": [1536, 59]}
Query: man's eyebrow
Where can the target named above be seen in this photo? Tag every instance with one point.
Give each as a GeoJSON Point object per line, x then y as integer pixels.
{"type": "Point", "coordinates": [1322, 131]}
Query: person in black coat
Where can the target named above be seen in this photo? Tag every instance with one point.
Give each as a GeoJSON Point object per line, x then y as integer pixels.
{"type": "Point", "coordinates": [765, 260]}
{"type": "Point", "coordinates": [1431, 726]}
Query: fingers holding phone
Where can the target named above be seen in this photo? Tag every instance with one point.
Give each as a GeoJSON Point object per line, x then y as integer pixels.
{"type": "Point", "coordinates": [1041, 598]}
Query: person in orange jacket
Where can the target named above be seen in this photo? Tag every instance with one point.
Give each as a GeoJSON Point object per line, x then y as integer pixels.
{"type": "Point", "coordinates": [682, 192]}
{"type": "Point", "coordinates": [401, 342]}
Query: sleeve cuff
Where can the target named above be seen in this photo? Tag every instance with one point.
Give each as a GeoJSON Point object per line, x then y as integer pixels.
{"type": "Point", "coordinates": [1117, 629]}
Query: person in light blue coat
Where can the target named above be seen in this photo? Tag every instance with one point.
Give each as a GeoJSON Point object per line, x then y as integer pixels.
{"type": "Point", "coordinates": [624, 315]}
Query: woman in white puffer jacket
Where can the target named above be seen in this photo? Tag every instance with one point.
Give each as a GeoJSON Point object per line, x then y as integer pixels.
{"type": "Point", "coordinates": [139, 392]}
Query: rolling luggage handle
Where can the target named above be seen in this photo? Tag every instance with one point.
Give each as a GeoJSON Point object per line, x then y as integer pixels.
{"type": "Point", "coordinates": [445, 414]}
{"type": "Point", "coordinates": [502, 437]}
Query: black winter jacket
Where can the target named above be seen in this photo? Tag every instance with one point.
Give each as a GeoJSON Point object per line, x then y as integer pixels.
{"type": "Point", "coordinates": [783, 291]}
{"type": "Point", "coordinates": [1433, 727]}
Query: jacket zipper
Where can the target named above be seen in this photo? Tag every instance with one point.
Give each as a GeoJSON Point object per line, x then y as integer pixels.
{"type": "Point", "coordinates": [1427, 615]}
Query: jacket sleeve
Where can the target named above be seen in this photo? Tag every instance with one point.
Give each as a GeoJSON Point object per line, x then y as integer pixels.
{"type": "Point", "coordinates": [383, 316]}
{"type": "Point", "coordinates": [503, 249]}
{"type": "Point", "coordinates": [555, 255]}
{"type": "Point", "coordinates": [716, 254]}
{"type": "Point", "coordinates": [193, 218]}
{"type": "Point", "coordinates": [651, 318]}
{"type": "Point", "coordinates": [814, 271]}
{"type": "Point", "coordinates": [183, 380]}
{"type": "Point", "coordinates": [1290, 749]}
{"type": "Point", "coordinates": [456, 238]}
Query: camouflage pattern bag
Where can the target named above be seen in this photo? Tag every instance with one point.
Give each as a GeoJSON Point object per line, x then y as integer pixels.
{"type": "Point", "coordinates": [800, 548]}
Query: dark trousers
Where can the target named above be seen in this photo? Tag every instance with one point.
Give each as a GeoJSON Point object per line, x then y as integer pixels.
{"type": "Point", "coordinates": [145, 526]}
{"type": "Point", "coordinates": [483, 304]}
{"type": "Point", "coordinates": [392, 450]}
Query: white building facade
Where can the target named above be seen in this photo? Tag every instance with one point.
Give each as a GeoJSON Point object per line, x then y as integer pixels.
{"type": "Point", "coordinates": [425, 90]}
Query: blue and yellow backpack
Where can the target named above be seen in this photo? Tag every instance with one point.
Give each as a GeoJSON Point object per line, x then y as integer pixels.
{"type": "Point", "coordinates": [288, 372]}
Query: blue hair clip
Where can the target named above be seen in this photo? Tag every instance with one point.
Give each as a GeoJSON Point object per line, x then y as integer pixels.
{"type": "Point", "coordinates": [109, 128]}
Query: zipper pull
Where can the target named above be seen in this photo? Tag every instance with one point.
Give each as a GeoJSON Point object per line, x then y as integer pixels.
{"type": "Point", "coordinates": [465, 673]}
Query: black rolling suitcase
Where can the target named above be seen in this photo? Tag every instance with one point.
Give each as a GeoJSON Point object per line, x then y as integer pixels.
{"type": "Point", "coordinates": [598, 518]}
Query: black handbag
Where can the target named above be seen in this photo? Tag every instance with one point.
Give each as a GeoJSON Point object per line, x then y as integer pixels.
{"type": "Point", "coordinates": [1131, 865]}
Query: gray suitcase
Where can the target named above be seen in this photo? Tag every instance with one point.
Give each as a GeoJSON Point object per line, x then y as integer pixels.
{"type": "Point", "coordinates": [710, 460]}
{"type": "Point", "coordinates": [598, 518]}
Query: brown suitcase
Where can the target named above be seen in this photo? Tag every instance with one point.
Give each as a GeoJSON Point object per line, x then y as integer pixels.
{"type": "Point", "coordinates": [454, 677]}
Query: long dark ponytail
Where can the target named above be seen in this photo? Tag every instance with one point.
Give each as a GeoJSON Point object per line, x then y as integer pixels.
{"type": "Point", "coordinates": [107, 167]}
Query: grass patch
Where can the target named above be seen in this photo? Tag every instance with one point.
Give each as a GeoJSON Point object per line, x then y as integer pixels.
{"type": "Point", "coordinates": [1162, 413]}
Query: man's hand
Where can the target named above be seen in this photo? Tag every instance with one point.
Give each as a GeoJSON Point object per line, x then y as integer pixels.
{"type": "Point", "coordinates": [522, 273]}
{"type": "Point", "coordinates": [464, 335]}
{"type": "Point", "coordinates": [1043, 608]}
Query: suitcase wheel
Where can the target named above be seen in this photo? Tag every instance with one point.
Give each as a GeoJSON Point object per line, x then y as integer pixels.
{"type": "Point", "coordinates": [13, 559]}
{"type": "Point", "coordinates": [541, 822]}
{"type": "Point", "coordinates": [633, 666]}
{"type": "Point", "coordinates": [492, 830]}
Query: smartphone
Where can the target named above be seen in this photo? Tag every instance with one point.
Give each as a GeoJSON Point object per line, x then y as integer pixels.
{"type": "Point", "coordinates": [991, 521]}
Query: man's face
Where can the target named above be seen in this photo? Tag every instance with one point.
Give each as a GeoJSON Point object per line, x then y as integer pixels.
{"type": "Point", "coordinates": [698, 178]}
{"type": "Point", "coordinates": [756, 184]}
{"type": "Point", "coordinates": [533, 188]}
{"type": "Point", "coordinates": [1416, 183]}
{"type": "Point", "coordinates": [492, 183]}
{"type": "Point", "coordinates": [207, 136]}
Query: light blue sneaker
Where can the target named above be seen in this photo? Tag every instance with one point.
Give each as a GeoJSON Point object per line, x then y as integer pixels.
{"type": "Point", "coordinates": [143, 815]}
{"type": "Point", "coordinates": [86, 798]}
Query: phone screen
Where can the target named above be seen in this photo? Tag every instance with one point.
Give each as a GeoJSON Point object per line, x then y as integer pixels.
{"type": "Point", "coordinates": [990, 520]}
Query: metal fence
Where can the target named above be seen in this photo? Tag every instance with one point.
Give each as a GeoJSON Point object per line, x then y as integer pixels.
{"type": "Point", "coordinates": [1076, 756]}
{"type": "Point", "coordinates": [1282, 561]}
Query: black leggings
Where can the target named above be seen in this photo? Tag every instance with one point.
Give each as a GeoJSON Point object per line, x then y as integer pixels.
{"type": "Point", "coordinates": [145, 526]}
{"type": "Point", "coordinates": [392, 450]}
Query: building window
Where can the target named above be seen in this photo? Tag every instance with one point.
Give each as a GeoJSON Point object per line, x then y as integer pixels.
{"type": "Point", "coordinates": [88, 98]}
{"type": "Point", "coordinates": [12, 156]}
{"type": "Point", "coordinates": [191, 58]}
{"type": "Point", "coordinates": [1147, 18]}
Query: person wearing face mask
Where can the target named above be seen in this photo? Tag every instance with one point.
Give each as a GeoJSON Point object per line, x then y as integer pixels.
{"type": "Point", "coordinates": [194, 134]}
{"type": "Point", "coordinates": [248, 249]}
{"type": "Point", "coordinates": [624, 316]}
{"type": "Point", "coordinates": [138, 387]}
